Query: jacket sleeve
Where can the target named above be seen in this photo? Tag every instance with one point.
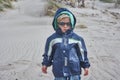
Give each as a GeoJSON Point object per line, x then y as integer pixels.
{"type": "Point", "coordinates": [48, 54]}
{"type": "Point", "coordinates": [84, 59]}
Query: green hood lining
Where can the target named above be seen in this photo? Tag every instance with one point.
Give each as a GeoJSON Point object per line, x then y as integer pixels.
{"type": "Point", "coordinates": [67, 13]}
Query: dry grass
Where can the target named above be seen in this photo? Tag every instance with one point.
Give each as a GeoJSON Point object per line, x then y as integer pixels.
{"type": "Point", "coordinates": [52, 7]}
{"type": "Point", "coordinates": [5, 4]}
{"type": "Point", "coordinates": [81, 26]}
{"type": "Point", "coordinates": [108, 1]}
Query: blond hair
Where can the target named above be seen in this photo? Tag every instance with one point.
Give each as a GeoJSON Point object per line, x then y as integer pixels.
{"type": "Point", "coordinates": [61, 17]}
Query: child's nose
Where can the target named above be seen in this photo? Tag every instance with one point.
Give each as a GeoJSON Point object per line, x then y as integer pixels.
{"type": "Point", "coordinates": [65, 25]}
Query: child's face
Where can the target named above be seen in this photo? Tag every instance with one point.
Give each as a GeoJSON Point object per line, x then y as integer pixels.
{"type": "Point", "coordinates": [64, 24]}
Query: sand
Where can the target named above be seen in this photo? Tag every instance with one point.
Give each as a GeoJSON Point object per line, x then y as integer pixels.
{"type": "Point", "coordinates": [24, 30]}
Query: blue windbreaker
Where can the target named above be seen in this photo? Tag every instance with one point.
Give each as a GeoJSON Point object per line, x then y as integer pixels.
{"type": "Point", "coordinates": [66, 52]}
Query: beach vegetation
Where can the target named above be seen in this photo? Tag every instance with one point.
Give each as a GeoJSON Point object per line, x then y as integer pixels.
{"type": "Point", "coordinates": [107, 1]}
{"type": "Point", "coordinates": [81, 26]}
{"type": "Point", "coordinates": [52, 7]}
{"type": "Point", "coordinates": [4, 4]}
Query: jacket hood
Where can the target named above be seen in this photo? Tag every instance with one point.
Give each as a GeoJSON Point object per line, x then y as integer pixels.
{"type": "Point", "coordinates": [61, 11]}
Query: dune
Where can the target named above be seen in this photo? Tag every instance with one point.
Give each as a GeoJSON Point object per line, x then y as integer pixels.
{"type": "Point", "coordinates": [24, 30]}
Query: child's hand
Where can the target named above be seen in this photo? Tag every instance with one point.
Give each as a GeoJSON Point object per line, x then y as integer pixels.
{"type": "Point", "coordinates": [44, 69]}
{"type": "Point", "coordinates": [86, 71]}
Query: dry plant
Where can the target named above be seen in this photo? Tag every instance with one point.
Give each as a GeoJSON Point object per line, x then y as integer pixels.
{"type": "Point", "coordinates": [52, 7]}
{"type": "Point", "coordinates": [108, 1]}
{"type": "Point", "coordinates": [5, 4]}
{"type": "Point", "coordinates": [82, 26]}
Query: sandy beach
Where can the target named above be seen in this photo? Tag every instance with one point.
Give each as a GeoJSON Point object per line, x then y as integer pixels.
{"type": "Point", "coordinates": [24, 30]}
